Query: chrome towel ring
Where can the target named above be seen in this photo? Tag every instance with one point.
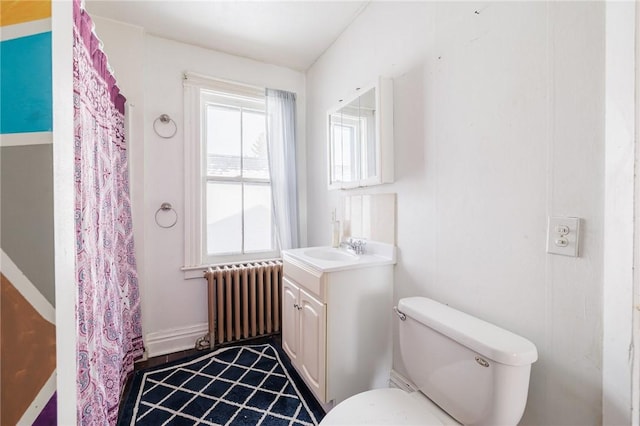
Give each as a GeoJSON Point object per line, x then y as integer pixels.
{"type": "Point", "coordinates": [167, 207]}
{"type": "Point", "coordinates": [165, 119]}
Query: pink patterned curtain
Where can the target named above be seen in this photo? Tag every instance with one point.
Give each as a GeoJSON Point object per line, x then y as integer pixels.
{"type": "Point", "coordinates": [108, 303]}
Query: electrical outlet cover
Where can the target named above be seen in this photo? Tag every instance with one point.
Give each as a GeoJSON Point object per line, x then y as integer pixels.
{"type": "Point", "coordinates": [561, 242]}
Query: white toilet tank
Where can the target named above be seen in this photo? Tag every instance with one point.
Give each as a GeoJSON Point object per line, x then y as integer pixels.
{"type": "Point", "coordinates": [475, 371]}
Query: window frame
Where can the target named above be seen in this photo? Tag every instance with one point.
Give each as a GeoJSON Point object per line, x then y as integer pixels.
{"type": "Point", "coordinates": [197, 88]}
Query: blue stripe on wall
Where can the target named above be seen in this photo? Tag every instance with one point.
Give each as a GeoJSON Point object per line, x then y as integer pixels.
{"type": "Point", "coordinates": [25, 84]}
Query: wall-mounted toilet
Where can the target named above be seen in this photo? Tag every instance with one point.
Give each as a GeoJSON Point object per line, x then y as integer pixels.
{"type": "Point", "coordinates": [467, 371]}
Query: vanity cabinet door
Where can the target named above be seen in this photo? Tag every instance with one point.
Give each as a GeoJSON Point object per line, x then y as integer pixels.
{"type": "Point", "coordinates": [312, 349]}
{"type": "Point", "coordinates": [290, 319]}
{"type": "Point", "coordinates": [304, 335]}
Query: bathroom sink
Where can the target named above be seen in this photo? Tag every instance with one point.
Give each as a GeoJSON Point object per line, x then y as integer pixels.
{"type": "Point", "coordinates": [329, 253]}
{"type": "Point", "coordinates": [327, 259]}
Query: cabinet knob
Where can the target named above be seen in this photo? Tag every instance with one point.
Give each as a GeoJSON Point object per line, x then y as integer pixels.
{"type": "Point", "coordinates": [298, 307]}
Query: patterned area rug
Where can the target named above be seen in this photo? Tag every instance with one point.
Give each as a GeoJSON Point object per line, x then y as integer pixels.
{"type": "Point", "coordinates": [239, 385]}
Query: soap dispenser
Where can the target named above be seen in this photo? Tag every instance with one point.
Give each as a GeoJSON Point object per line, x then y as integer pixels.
{"type": "Point", "coordinates": [335, 236]}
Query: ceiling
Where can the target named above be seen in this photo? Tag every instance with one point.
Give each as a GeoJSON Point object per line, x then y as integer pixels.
{"type": "Point", "coordinates": [287, 33]}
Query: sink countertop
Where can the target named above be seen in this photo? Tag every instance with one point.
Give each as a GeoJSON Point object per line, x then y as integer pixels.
{"type": "Point", "coordinates": [337, 259]}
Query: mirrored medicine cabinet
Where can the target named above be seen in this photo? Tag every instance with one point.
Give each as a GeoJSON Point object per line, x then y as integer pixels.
{"type": "Point", "coordinates": [360, 137]}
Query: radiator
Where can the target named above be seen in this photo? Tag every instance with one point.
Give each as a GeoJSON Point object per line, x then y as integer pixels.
{"type": "Point", "coordinates": [243, 302]}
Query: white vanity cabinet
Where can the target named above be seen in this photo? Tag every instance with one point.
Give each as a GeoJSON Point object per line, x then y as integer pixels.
{"type": "Point", "coordinates": [336, 327]}
{"type": "Point", "coordinates": [306, 349]}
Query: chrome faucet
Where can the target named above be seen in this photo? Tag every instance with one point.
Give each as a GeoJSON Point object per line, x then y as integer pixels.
{"type": "Point", "coordinates": [354, 246]}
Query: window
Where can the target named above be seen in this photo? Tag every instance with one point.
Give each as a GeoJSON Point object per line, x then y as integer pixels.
{"type": "Point", "coordinates": [345, 130]}
{"type": "Point", "coordinates": [229, 192]}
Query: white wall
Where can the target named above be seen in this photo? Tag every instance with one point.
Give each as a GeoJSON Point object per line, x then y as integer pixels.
{"type": "Point", "coordinates": [64, 211]}
{"type": "Point", "coordinates": [174, 309]}
{"type": "Point", "coordinates": [618, 391]}
{"type": "Point", "coordinates": [499, 123]}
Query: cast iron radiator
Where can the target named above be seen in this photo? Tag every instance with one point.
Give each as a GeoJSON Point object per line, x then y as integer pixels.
{"type": "Point", "coordinates": [243, 302]}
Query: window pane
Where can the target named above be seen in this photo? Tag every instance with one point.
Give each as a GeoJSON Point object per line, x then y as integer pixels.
{"type": "Point", "coordinates": [223, 141]}
{"type": "Point", "coordinates": [369, 144]}
{"type": "Point", "coordinates": [346, 155]}
{"type": "Point", "coordinates": [224, 218]}
{"type": "Point", "coordinates": [258, 233]}
{"type": "Point", "coordinates": [336, 148]}
{"type": "Point", "coordinates": [254, 146]}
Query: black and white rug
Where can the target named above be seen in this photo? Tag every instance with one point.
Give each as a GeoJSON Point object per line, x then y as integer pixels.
{"type": "Point", "coordinates": [239, 385]}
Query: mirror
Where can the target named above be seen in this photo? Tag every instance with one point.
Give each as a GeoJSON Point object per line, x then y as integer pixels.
{"type": "Point", "coordinates": [359, 153]}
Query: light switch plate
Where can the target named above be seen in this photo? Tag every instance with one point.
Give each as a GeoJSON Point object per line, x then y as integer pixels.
{"type": "Point", "coordinates": [563, 236]}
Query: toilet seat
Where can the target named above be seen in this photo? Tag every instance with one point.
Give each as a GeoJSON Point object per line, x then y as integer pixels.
{"type": "Point", "coordinates": [389, 406]}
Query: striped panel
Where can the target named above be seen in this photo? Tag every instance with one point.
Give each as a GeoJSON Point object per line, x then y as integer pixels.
{"type": "Point", "coordinates": [27, 350]}
{"type": "Point", "coordinates": [25, 84]}
{"type": "Point", "coordinates": [19, 11]}
{"type": "Point", "coordinates": [23, 30]}
{"type": "Point", "coordinates": [19, 139]}
{"type": "Point", "coordinates": [25, 75]}
{"type": "Point", "coordinates": [27, 338]}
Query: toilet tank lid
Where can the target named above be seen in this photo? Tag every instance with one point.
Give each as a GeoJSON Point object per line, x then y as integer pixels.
{"type": "Point", "coordinates": [487, 339]}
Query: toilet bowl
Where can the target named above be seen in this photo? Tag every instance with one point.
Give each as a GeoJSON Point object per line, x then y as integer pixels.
{"type": "Point", "coordinates": [389, 406]}
{"type": "Point", "coordinates": [467, 371]}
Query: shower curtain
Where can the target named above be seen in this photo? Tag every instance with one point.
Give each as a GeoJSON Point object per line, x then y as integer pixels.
{"type": "Point", "coordinates": [109, 334]}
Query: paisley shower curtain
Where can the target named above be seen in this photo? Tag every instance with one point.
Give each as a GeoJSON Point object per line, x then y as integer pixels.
{"type": "Point", "coordinates": [109, 335]}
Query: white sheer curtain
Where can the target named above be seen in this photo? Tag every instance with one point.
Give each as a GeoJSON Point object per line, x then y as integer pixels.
{"type": "Point", "coordinates": [281, 143]}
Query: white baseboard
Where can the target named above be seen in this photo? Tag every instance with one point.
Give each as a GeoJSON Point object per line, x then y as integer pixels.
{"type": "Point", "coordinates": [174, 340]}
{"type": "Point", "coordinates": [397, 380]}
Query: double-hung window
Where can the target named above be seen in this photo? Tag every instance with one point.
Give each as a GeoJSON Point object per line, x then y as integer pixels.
{"type": "Point", "coordinates": [228, 179]}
